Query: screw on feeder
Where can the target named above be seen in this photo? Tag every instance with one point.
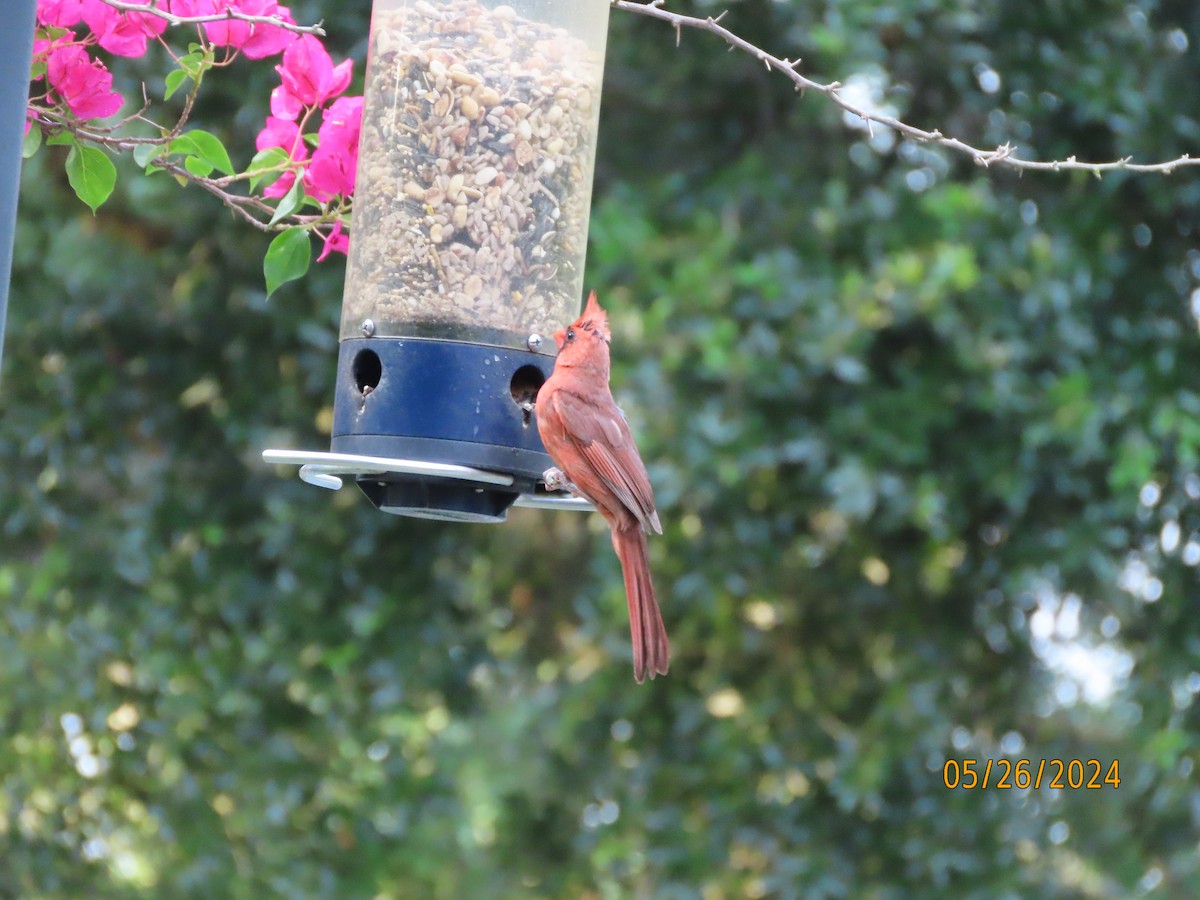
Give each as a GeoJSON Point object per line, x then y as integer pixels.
{"type": "Point", "coordinates": [367, 328]}
{"type": "Point", "coordinates": [534, 341]}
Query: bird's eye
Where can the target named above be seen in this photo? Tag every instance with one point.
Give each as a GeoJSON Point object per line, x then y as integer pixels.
{"type": "Point", "coordinates": [570, 334]}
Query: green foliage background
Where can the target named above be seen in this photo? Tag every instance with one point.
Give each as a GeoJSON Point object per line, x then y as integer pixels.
{"type": "Point", "coordinates": [919, 432]}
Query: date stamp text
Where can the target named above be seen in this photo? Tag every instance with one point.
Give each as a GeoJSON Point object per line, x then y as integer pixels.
{"type": "Point", "coordinates": [1054, 774]}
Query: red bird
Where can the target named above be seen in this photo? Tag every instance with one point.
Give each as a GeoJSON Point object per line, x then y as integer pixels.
{"type": "Point", "coordinates": [587, 437]}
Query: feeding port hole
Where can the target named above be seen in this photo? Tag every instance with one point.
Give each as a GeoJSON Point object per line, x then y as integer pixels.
{"type": "Point", "coordinates": [524, 387]}
{"type": "Point", "coordinates": [367, 370]}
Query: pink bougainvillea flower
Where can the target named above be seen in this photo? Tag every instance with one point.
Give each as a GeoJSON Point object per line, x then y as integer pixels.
{"type": "Point", "coordinates": [124, 34]}
{"type": "Point", "coordinates": [309, 75]}
{"type": "Point", "coordinates": [281, 185]}
{"type": "Point", "coordinates": [256, 40]}
{"type": "Point", "coordinates": [281, 133]}
{"type": "Point", "coordinates": [190, 7]}
{"type": "Point", "coordinates": [83, 83]}
{"type": "Point", "coordinates": [285, 134]}
{"type": "Point", "coordinates": [59, 13]}
{"type": "Point", "coordinates": [42, 46]}
{"type": "Point", "coordinates": [284, 105]}
{"type": "Point", "coordinates": [337, 241]}
{"type": "Point", "coordinates": [335, 160]}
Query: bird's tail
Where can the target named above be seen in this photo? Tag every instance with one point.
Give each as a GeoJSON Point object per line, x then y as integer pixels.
{"type": "Point", "coordinates": [651, 650]}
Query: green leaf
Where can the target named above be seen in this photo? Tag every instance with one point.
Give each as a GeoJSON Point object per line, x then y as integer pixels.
{"type": "Point", "coordinates": [205, 147]}
{"type": "Point", "coordinates": [213, 151]}
{"type": "Point", "coordinates": [33, 140]}
{"type": "Point", "coordinates": [91, 174]}
{"type": "Point", "coordinates": [183, 144]}
{"type": "Point", "coordinates": [199, 61]}
{"type": "Point", "coordinates": [289, 203]}
{"type": "Point", "coordinates": [287, 258]}
{"type": "Point", "coordinates": [62, 138]}
{"type": "Point", "coordinates": [197, 166]}
{"type": "Point", "coordinates": [145, 154]}
{"type": "Point", "coordinates": [174, 80]}
{"type": "Point", "coordinates": [267, 165]}
{"type": "Point", "coordinates": [193, 65]}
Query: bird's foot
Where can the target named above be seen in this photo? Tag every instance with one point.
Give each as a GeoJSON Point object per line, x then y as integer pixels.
{"type": "Point", "coordinates": [555, 480]}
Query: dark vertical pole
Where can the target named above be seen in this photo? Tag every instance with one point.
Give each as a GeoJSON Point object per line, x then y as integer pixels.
{"type": "Point", "coordinates": [16, 50]}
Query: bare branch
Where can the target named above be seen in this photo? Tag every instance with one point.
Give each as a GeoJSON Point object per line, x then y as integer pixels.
{"type": "Point", "coordinates": [249, 208]}
{"type": "Point", "coordinates": [151, 8]}
{"type": "Point", "coordinates": [242, 205]}
{"type": "Point", "coordinates": [1004, 155]}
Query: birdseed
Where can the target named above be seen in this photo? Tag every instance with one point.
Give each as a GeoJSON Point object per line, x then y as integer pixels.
{"type": "Point", "coordinates": [474, 185]}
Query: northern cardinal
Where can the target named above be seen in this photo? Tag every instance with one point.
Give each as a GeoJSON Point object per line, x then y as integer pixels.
{"type": "Point", "coordinates": [587, 437]}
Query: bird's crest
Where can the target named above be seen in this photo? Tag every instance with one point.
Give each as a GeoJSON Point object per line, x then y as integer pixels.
{"type": "Point", "coordinates": [592, 321]}
{"type": "Point", "coordinates": [594, 318]}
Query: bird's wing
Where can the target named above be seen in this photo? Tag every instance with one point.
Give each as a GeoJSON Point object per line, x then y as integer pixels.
{"type": "Point", "coordinates": [602, 436]}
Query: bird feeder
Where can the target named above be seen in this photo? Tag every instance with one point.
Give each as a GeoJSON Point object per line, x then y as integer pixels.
{"type": "Point", "coordinates": [471, 213]}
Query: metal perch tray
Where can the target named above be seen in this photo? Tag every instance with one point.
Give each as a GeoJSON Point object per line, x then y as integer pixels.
{"type": "Point", "coordinates": [327, 470]}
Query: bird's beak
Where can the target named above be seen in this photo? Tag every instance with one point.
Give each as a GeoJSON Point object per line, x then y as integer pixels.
{"type": "Point", "coordinates": [560, 338]}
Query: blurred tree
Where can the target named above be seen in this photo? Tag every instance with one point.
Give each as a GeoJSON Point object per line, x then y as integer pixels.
{"type": "Point", "coordinates": [925, 440]}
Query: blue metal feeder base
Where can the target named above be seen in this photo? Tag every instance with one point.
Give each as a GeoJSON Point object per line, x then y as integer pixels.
{"type": "Point", "coordinates": [447, 402]}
